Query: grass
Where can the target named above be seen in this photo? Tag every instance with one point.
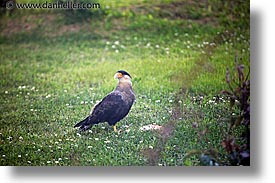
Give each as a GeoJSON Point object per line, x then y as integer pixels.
{"type": "Point", "coordinates": [53, 72]}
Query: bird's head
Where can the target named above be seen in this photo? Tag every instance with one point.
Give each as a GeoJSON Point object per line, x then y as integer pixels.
{"type": "Point", "coordinates": [123, 76]}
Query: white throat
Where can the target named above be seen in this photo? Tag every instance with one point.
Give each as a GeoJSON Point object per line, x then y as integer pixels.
{"type": "Point", "coordinates": [125, 79]}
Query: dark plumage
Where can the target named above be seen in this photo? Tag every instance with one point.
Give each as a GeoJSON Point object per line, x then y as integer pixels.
{"type": "Point", "coordinates": [113, 107]}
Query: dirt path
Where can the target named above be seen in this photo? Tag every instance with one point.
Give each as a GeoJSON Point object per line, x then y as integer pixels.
{"type": "Point", "coordinates": [166, 132]}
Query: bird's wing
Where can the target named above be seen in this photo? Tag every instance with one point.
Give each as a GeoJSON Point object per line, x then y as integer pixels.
{"type": "Point", "coordinates": [109, 108]}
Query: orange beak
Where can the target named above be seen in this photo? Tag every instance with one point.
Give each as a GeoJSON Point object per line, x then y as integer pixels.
{"type": "Point", "coordinates": [118, 75]}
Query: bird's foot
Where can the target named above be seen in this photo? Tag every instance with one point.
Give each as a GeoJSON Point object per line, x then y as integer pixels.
{"type": "Point", "coordinates": [115, 130]}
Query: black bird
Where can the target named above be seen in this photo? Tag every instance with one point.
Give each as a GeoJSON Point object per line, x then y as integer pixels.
{"type": "Point", "coordinates": [113, 107]}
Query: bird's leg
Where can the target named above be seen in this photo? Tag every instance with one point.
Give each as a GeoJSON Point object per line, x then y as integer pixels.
{"type": "Point", "coordinates": [115, 128]}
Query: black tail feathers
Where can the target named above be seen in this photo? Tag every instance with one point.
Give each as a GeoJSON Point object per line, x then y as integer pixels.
{"type": "Point", "coordinates": [84, 124]}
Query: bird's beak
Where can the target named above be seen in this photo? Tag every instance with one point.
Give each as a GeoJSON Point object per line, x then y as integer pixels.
{"type": "Point", "coordinates": [118, 75]}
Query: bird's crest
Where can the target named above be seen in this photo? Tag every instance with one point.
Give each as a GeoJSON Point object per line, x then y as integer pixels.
{"type": "Point", "coordinates": [124, 73]}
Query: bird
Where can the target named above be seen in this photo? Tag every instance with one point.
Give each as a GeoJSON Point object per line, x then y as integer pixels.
{"type": "Point", "coordinates": [114, 106]}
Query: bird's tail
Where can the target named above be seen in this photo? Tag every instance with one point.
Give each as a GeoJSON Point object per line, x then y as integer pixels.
{"type": "Point", "coordinates": [84, 124]}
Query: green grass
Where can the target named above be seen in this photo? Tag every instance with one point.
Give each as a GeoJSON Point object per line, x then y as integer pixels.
{"type": "Point", "coordinates": [53, 72]}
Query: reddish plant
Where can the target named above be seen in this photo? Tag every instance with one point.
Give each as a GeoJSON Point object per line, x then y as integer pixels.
{"type": "Point", "coordinates": [238, 146]}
